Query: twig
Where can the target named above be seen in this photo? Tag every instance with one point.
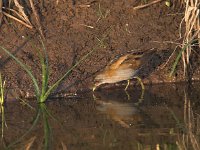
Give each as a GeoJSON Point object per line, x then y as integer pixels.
{"type": "Point", "coordinates": [37, 19]}
{"type": "Point", "coordinates": [17, 13]}
{"type": "Point", "coordinates": [21, 10]}
{"type": "Point", "coordinates": [146, 5]}
{"type": "Point", "coordinates": [1, 5]}
{"type": "Point", "coordinates": [18, 20]}
{"type": "Point", "coordinates": [166, 42]}
{"type": "Point", "coordinates": [163, 65]}
{"type": "Point", "coordinates": [1, 14]}
{"type": "Point", "coordinates": [88, 26]}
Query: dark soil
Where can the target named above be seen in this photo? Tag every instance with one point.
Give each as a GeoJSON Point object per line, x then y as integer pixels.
{"type": "Point", "coordinates": [72, 29]}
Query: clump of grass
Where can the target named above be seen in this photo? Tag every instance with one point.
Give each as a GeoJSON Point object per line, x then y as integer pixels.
{"type": "Point", "coordinates": [2, 101]}
{"type": "Point", "coordinates": [41, 113]}
{"type": "Point", "coordinates": [181, 55]}
{"type": "Point", "coordinates": [101, 14]}
{"type": "Point", "coordinates": [43, 93]}
{"type": "Point", "coordinates": [191, 38]}
{"type": "Point", "coordinates": [192, 28]}
{"type": "Point", "coordinates": [18, 13]}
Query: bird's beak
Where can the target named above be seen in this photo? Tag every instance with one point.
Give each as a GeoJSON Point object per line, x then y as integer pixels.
{"type": "Point", "coordinates": [94, 88]}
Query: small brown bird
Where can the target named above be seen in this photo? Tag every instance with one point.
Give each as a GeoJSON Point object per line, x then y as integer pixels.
{"type": "Point", "coordinates": [124, 68]}
{"type": "Point", "coordinates": [122, 113]}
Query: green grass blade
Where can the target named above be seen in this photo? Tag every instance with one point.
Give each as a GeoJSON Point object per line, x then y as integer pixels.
{"type": "Point", "coordinates": [45, 70]}
{"type": "Point", "coordinates": [177, 60]}
{"type": "Point", "coordinates": [37, 90]}
{"type": "Point", "coordinates": [179, 56]}
{"type": "Point", "coordinates": [47, 133]}
{"type": "Point", "coordinates": [47, 129]}
{"type": "Point", "coordinates": [44, 64]}
{"type": "Point", "coordinates": [3, 120]}
{"type": "Point", "coordinates": [35, 121]}
{"type": "Point", "coordinates": [65, 75]}
{"type": "Point", "coordinates": [1, 90]}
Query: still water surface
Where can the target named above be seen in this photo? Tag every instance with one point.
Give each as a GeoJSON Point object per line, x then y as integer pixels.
{"type": "Point", "coordinates": [165, 117]}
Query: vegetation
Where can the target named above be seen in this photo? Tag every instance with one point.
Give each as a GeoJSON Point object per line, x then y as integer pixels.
{"type": "Point", "coordinates": [43, 93]}
{"type": "Point", "coordinates": [192, 30]}
{"type": "Point", "coordinates": [188, 136]}
{"type": "Point", "coordinates": [42, 114]}
{"type": "Point", "coordinates": [2, 100]}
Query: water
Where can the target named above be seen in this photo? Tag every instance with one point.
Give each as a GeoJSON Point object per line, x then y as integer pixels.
{"type": "Point", "coordinates": [107, 119]}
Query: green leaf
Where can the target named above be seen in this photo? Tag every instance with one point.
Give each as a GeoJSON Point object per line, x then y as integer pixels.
{"type": "Point", "coordinates": [37, 90]}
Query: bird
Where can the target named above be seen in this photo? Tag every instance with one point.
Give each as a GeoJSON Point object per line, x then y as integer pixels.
{"type": "Point", "coordinates": [126, 67]}
{"type": "Point", "coordinates": [119, 112]}
{"type": "Point", "coordinates": [125, 114]}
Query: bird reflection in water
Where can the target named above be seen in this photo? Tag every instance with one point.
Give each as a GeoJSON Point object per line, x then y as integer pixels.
{"type": "Point", "coordinates": [124, 113]}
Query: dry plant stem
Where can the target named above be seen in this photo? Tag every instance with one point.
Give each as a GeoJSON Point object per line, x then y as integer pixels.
{"type": "Point", "coordinates": [189, 120]}
{"type": "Point", "coordinates": [1, 13]}
{"type": "Point", "coordinates": [20, 16]}
{"type": "Point", "coordinates": [18, 20]}
{"type": "Point", "coordinates": [163, 66]}
{"type": "Point", "coordinates": [37, 19]}
{"type": "Point", "coordinates": [146, 5]}
{"type": "Point", "coordinates": [192, 29]}
{"type": "Point", "coordinates": [21, 10]}
{"type": "Point", "coordinates": [1, 5]}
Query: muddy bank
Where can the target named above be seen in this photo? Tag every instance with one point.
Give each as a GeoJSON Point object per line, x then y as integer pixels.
{"type": "Point", "coordinates": [73, 28]}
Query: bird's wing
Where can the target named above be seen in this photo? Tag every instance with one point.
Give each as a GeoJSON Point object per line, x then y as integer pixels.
{"type": "Point", "coordinates": [118, 62]}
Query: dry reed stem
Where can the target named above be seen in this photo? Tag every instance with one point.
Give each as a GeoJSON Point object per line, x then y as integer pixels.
{"type": "Point", "coordinates": [21, 10]}
{"type": "Point", "coordinates": [23, 18]}
{"type": "Point", "coordinates": [1, 5]}
{"type": "Point", "coordinates": [17, 13]}
{"type": "Point", "coordinates": [192, 28]}
{"type": "Point", "coordinates": [37, 19]}
{"type": "Point", "coordinates": [146, 5]}
{"type": "Point", "coordinates": [190, 137]}
{"type": "Point", "coordinates": [18, 20]}
{"type": "Point", "coordinates": [1, 13]}
{"type": "Point", "coordinates": [163, 65]}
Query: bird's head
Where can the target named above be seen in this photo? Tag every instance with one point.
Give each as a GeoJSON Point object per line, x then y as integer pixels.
{"type": "Point", "coordinates": [99, 79]}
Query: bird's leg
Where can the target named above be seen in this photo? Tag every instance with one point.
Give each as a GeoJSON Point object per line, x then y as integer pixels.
{"type": "Point", "coordinates": [128, 96]}
{"type": "Point", "coordinates": [142, 94]}
{"type": "Point", "coordinates": [128, 82]}
{"type": "Point", "coordinates": [140, 81]}
{"type": "Point", "coordinates": [140, 100]}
